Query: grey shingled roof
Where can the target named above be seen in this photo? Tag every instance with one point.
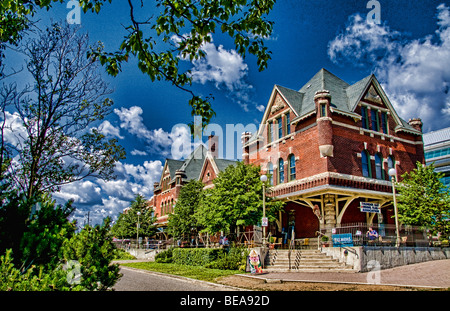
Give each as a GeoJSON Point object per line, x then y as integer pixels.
{"type": "Point", "coordinates": [344, 96]}
{"type": "Point", "coordinates": [192, 166]}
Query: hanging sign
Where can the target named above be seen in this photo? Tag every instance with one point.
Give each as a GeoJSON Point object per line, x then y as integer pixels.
{"type": "Point", "coordinates": [369, 207]}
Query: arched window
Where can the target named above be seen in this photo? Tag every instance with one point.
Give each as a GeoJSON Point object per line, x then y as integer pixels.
{"type": "Point", "coordinates": [379, 166]}
{"type": "Point", "coordinates": [291, 167]}
{"type": "Point", "coordinates": [365, 161]}
{"type": "Point", "coordinates": [270, 172]}
{"type": "Point", "coordinates": [280, 171]}
{"type": "Point", "coordinates": [390, 163]}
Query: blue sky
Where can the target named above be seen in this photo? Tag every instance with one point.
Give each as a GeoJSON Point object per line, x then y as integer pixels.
{"type": "Point", "coordinates": [409, 52]}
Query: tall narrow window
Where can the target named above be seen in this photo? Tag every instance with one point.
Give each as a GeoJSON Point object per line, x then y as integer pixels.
{"type": "Point", "coordinates": [375, 121]}
{"type": "Point", "coordinates": [270, 169]}
{"type": "Point", "coordinates": [384, 122]}
{"type": "Point", "coordinates": [365, 161]}
{"type": "Point", "coordinates": [288, 124]}
{"type": "Point", "coordinates": [269, 132]}
{"type": "Point", "coordinates": [280, 127]}
{"type": "Point", "coordinates": [291, 167]}
{"type": "Point", "coordinates": [364, 118]}
{"type": "Point", "coordinates": [280, 171]}
{"type": "Point", "coordinates": [379, 166]}
{"type": "Point", "coordinates": [323, 110]}
{"type": "Point", "coordinates": [390, 162]}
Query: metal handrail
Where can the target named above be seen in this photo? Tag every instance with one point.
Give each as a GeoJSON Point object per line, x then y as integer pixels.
{"type": "Point", "coordinates": [292, 242]}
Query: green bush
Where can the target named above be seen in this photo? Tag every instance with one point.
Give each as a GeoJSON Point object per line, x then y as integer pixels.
{"type": "Point", "coordinates": [165, 256]}
{"type": "Point", "coordinates": [196, 256]}
{"type": "Point", "coordinates": [234, 259]}
{"type": "Point", "coordinates": [120, 254]}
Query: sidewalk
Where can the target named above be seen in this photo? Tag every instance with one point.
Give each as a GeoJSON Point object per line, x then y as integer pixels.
{"type": "Point", "coordinates": [426, 274]}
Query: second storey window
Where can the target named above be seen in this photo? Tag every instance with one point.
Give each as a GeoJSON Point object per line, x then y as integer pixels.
{"type": "Point", "coordinates": [270, 169]}
{"type": "Point", "coordinates": [291, 167]}
{"type": "Point", "coordinates": [365, 161]}
{"type": "Point", "coordinates": [280, 171]}
{"type": "Point", "coordinates": [379, 166]}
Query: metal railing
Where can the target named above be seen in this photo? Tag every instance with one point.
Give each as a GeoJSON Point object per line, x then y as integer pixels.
{"type": "Point", "coordinates": [411, 236]}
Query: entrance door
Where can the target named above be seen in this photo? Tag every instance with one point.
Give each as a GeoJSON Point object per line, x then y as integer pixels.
{"type": "Point", "coordinates": [303, 220]}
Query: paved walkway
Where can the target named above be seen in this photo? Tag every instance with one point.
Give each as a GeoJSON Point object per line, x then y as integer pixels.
{"type": "Point", "coordinates": [427, 274]}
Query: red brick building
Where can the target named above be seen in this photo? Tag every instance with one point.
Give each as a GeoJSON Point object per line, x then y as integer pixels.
{"type": "Point", "coordinates": [202, 164]}
{"type": "Point", "coordinates": [328, 147]}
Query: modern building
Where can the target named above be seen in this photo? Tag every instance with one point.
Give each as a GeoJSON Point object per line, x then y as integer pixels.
{"type": "Point", "coordinates": [437, 151]}
{"type": "Point", "coordinates": [327, 147]}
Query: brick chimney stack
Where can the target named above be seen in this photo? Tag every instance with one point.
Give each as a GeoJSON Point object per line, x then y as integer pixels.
{"type": "Point", "coordinates": [416, 123]}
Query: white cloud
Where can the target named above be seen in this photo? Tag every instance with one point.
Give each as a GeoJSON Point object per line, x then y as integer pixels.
{"type": "Point", "coordinates": [226, 69]}
{"type": "Point", "coordinates": [139, 152]}
{"type": "Point", "coordinates": [414, 73]}
{"type": "Point", "coordinates": [220, 66]}
{"type": "Point", "coordinates": [107, 129]}
{"type": "Point", "coordinates": [109, 198]}
{"type": "Point", "coordinates": [14, 132]}
{"type": "Point", "coordinates": [176, 144]}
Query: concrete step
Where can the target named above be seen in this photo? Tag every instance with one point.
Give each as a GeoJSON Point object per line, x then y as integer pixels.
{"type": "Point", "coordinates": [309, 260]}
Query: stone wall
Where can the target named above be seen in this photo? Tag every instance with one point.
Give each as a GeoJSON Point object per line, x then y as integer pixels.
{"type": "Point", "coordinates": [387, 257]}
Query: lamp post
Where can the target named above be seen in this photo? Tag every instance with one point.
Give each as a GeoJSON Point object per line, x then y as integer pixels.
{"type": "Point", "coordinates": [137, 230]}
{"type": "Point", "coordinates": [263, 180]}
{"type": "Point", "coordinates": [393, 173]}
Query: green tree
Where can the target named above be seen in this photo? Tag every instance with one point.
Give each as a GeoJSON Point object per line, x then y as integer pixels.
{"type": "Point", "coordinates": [236, 200]}
{"type": "Point", "coordinates": [126, 224]}
{"type": "Point", "coordinates": [177, 30]}
{"type": "Point", "coordinates": [58, 144]}
{"type": "Point", "coordinates": [424, 200]}
{"type": "Point", "coordinates": [34, 229]}
{"type": "Point", "coordinates": [93, 249]}
{"type": "Point", "coordinates": [183, 222]}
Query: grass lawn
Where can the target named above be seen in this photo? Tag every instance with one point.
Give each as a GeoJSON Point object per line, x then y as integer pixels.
{"type": "Point", "coordinates": [193, 272]}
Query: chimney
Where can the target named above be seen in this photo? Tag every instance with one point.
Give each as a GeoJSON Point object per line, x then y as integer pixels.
{"type": "Point", "coordinates": [213, 145]}
{"type": "Point", "coordinates": [416, 123]}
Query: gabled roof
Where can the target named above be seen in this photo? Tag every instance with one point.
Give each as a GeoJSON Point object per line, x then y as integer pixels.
{"type": "Point", "coordinates": [192, 165]}
{"type": "Point", "coordinates": [344, 97]}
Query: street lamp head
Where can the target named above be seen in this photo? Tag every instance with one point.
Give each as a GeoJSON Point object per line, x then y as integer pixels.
{"type": "Point", "coordinates": [139, 213]}
{"type": "Point", "coordinates": [263, 178]}
{"type": "Point", "coordinates": [392, 172]}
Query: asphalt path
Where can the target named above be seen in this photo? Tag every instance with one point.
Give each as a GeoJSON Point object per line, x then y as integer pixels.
{"type": "Point", "coordinates": [142, 280]}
